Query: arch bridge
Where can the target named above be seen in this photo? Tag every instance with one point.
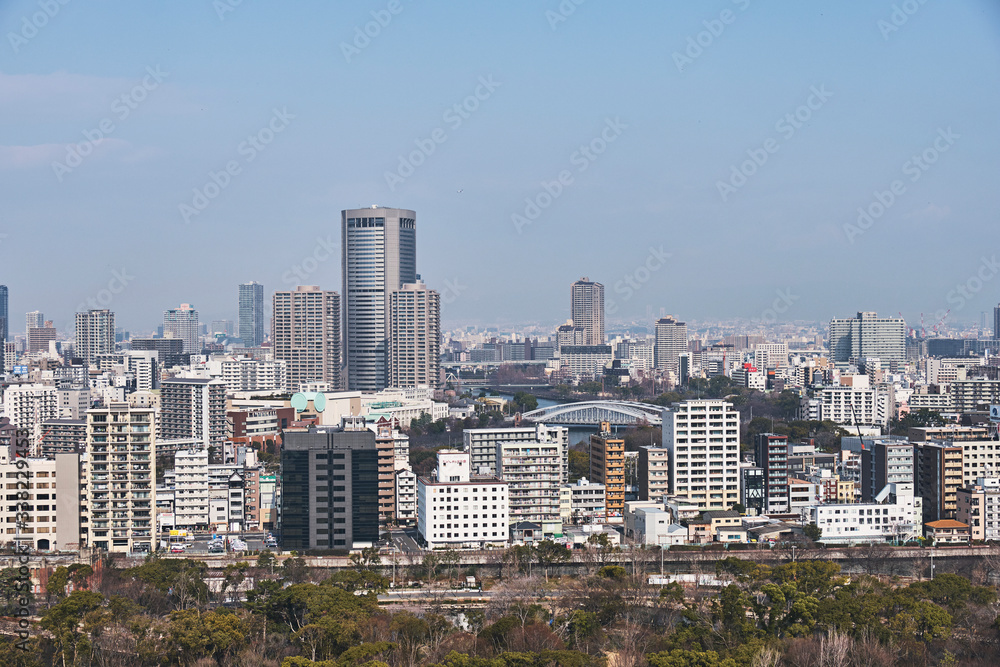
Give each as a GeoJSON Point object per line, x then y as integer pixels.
{"type": "Point", "coordinates": [588, 413]}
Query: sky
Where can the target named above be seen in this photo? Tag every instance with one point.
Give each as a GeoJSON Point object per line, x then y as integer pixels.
{"type": "Point", "coordinates": [767, 161]}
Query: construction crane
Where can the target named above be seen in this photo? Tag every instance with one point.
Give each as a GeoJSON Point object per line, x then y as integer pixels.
{"type": "Point", "coordinates": [941, 321]}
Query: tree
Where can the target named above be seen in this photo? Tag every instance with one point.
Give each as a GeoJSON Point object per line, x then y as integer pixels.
{"type": "Point", "coordinates": [813, 532]}
{"type": "Point", "coordinates": [549, 553]}
{"type": "Point", "coordinates": [14, 589]}
{"type": "Point", "coordinates": [64, 620]}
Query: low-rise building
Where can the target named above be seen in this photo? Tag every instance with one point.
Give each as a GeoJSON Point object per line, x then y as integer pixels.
{"type": "Point", "coordinates": [895, 514]}
{"type": "Point", "coordinates": [947, 531]}
{"type": "Point", "coordinates": [457, 509]}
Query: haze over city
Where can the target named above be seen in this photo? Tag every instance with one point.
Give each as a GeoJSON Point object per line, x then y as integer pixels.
{"type": "Point", "coordinates": [470, 114]}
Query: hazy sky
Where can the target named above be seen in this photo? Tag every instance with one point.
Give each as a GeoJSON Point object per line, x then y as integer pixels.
{"type": "Point", "coordinates": [309, 115]}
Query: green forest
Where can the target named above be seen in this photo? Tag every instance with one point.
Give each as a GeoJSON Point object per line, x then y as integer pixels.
{"type": "Point", "coordinates": [265, 614]}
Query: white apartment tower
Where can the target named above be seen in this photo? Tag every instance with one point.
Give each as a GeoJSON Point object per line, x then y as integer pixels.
{"type": "Point", "coordinates": [182, 323]}
{"type": "Point", "coordinates": [587, 310]}
{"type": "Point", "coordinates": [414, 336]}
{"type": "Point", "coordinates": [120, 479]}
{"type": "Point", "coordinates": [671, 342]}
{"type": "Point", "coordinates": [95, 334]}
{"type": "Point", "coordinates": [703, 441]}
{"type": "Point", "coordinates": [306, 335]}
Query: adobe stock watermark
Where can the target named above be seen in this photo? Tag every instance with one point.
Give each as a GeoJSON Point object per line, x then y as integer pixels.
{"type": "Point", "coordinates": [122, 108]}
{"type": "Point", "coordinates": [452, 290]}
{"type": "Point", "coordinates": [248, 149]}
{"type": "Point", "coordinates": [37, 21]}
{"type": "Point", "coordinates": [782, 302]}
{"type": "Point", "coordinates": [223, 7]}
{"type": "Point", "coordinates": [900, 14]}
{"type": "Point", "coordinates": [786, 126]}
{"type": "Point", "coordinates": [714, 28]}
{"type": "Point", "coordinates": [120, 280]}
{"type": "Point", "coordinates": [562, 13]}
{"type": "Point", "coordinates": [581, 158]}
{"type": "Point", "coordinates": [372, 29]}
{"type": "Point", "coordinates": [324, 249]}
{"type": "Point", "coordinates": [454, 116]}
{"type": "Point", "coordinates": [914, 168]}
{"type": "Point", "coordinates": [637, 278]}
{"type": "Point", "coordinates": [965, 291]}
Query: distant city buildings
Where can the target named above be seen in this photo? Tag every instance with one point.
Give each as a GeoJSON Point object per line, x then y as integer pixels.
{"type": "Point", "coordinates": [182, 323]}
{"type": "Point", "coordinates": [251, 314]}
{"type": "Point", "coordinates": [306, 335]}
{"type": "Point", "coordinates": [671, 342]}
{"type": "Point", "coordinates": [868, 335]}
{"type": "Point", "coordinates": [414, 336]}
{"type": "Point", "coordinates": [95, 334]}
{"type": "Point", "coordinates": [587, 310]}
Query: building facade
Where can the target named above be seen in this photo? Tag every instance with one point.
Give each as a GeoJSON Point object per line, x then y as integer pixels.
{"type": "Point", "coordinates": [306, 335]}
{"type": "Point", "coordinates": [703, 438]}
{"type": "Point", "coordinates": [607, 467]}
{"type": "Point", "coordinates": [868, 335]}
{"type": "Point", "coordinates": [414, 336]}
{"type": "Point", "coordinates": [460, 510]}
{"type": "Point", "coordinates": [251, 314]}
{"type": "Point", "coordinates": [182, 323]}
{"type": "Point", "coordinates": [378, 256]}
{"type": "Point", "coordinates": [587, 310]}
{"type": "Point", "coordinates": [95, 334]}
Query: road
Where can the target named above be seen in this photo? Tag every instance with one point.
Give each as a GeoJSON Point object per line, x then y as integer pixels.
{"type": "Point", "coordinates": [403, 539]}
{"type": "Point", "coordinates": [255, 541]}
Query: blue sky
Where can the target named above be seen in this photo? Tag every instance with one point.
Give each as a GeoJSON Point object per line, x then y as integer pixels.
{"type": "Point", "coordinates": [647, 209]}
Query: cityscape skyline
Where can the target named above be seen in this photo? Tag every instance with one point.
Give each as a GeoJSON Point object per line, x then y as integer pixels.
{"type": "Point", "coordinates": [655, 190]}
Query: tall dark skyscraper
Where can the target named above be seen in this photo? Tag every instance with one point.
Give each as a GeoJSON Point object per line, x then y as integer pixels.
{"type": "Point", "coordinates": [3, 312]}
{"type": "Point", "coordinates": [379, 255]}
{"type": "Point", "coordinates": [251, 314]}
{"type": "Point", "coordinates": [996, 316]}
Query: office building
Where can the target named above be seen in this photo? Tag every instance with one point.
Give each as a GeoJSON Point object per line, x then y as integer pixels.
{"type": "Point", "coordinates": [703, 440]}
{"type": "Point", "coordinates": [414, 336]}
{"type": "Point", "coordinates": [306, 335]}
{"type": "Point", "coordinates": [868, 335]}
{"type": "Point", "coordinates": [251, 314]}
{"type": "Point", "coordinates": [671, 342]}
{"type": "Point", "coordinates": [48, 520]}
{"type": "Point", "coordinates": [607, 467]}
{"type": "Point", "coordinates": [329, 487]}
{"type": "Point", "coordinates": [570, 334]}
{"type": "Point", "coordinates": [585, 362]}
{"type": "Point", "coordinates": [193, 409]}
{"type": "Point", "coordinates": [481, 443]}
{"type": "Point", "coordinates": [771, 452]}
{"type": "Point", "coordinates": [95, 335]}
{"type": "Point", "coordinates": [587, 310]}
{"type": "Point", "coordinates": [885, 462]}
{"type": "Point", "coordinates": [182, 323]}
{"type": "Point", "coordinates": [379, 256]}
{"type": "Point", "coordinates": [894, 514]}
{"type": "Point", "coordinates": [169, 351]}
{"type": "Point", "coordinates": [119, 476]}
{"type": "Point", "coordinates": [654, 473]}
{"type": "Point", "coordinates": [39, 337]}
{"type": "Point", "coordinates": [533, 473]}
{"type": "Point", "coordinates": [457, 509]}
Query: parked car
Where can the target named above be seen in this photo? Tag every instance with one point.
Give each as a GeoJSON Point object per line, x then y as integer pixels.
{"type": "Point", "coordinates": [177, 548]}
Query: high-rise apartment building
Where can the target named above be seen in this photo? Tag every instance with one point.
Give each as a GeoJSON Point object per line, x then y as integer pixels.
{"type": "Point", "coordinates": [771, 451]}
{"type": "Point", "coordinates": [306, 335]}
{"type": "Point", "coordinates": [671, 342]}
{"type": "Point", "coordinates": [251, 314]}
{"type": "Point", "coordinates": [28, 406]}
{"type": "Point", "coordinates": [414, 336]}
{"type": "Point", "coordinates": [533, 473]}
{"type": "Point", "coordinates": [119, 479]}
{"type": "Point", "coordinates": [703, 438]}
{"type": "Point", "coordinates": [169, 351]}
{"type": "Point", "coordinates": [182, 323]}
{"type": "Point", "coordinates": [193, 409]}
{"type": "Point", "coordinates": [885, 462]}
{"type": "Point", "coordinates": [938, 476]}
{"type": "Point", "coordinates": [4, 332]}
{"type": "Point", "coordinates": [654, 473]}
{"type": "Point", "coordinates": [868, 335]}
{"type": "Point", "coordinates": [329, 487]}
{"type": "Point", "coordinates": [379, 256]}
{"type": "Point", "coordinates": [34, 319]}
{"type": "Point", "coordinates": [607, 467]}
{"type": "Point", "coordinates": [481, 443]}
{"type": "Point", "coordinates": [587, 310]}
{"type": "Point", "coordinates": [95, 334]}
